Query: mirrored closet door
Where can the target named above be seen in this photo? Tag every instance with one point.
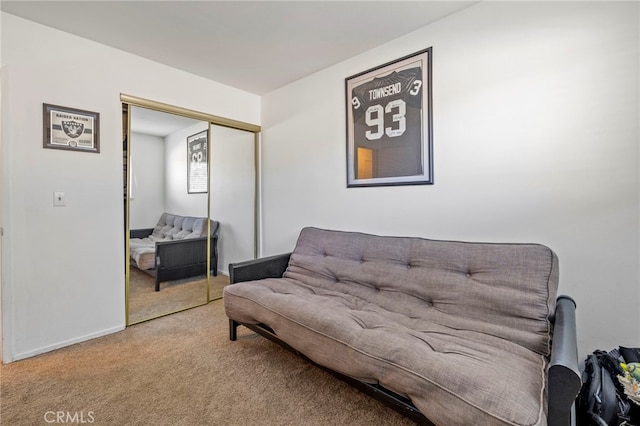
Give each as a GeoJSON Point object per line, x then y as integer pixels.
{"type": "Point", "coordinates": [233, 198]}
{"type": "Point", "coordinates": [164, 214]}
{"type": "Point", "coordinates": [190, 185]}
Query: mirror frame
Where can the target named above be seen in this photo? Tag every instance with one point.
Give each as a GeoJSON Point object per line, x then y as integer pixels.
{"type": "Point", "coordinates": [212, 120]}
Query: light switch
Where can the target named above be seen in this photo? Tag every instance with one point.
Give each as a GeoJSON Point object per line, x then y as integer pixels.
{"type": "Point", "coordinates": [58, 199]}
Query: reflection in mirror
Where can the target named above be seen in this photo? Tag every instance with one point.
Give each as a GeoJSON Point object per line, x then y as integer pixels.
{"type": "Point", "coordinates": [168, 225]}
{"type": "Point", "coordinates": [233, 193]}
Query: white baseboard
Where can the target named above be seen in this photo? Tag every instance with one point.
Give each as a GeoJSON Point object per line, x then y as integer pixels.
{"type": "Point", "coordinates": [65, 343]}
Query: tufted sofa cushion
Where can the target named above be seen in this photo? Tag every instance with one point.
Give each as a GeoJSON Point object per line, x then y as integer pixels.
{"type": "Point", "coordinates": [462, 329]}
{"type": "Point", "coordinates": [169, 227]}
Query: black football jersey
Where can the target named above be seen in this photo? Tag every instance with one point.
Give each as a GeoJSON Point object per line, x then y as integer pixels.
{"type": "Point", "coordinates": [387, 124]}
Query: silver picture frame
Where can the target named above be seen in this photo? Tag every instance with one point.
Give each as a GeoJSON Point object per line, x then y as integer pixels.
{"type": "Point", "coordinates": [389, 123]}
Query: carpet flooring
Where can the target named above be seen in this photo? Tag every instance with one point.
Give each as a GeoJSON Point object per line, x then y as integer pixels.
{"type": "Point", "coordinates": [181, 369]}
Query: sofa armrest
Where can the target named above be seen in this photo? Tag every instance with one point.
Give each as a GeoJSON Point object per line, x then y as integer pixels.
{"type": "Point", "coordinates": [182, 252]}
{"type": "Point", "coordinates": [257, 269]}
{"type": "Point", "coordinates": [140, 233]}
{"type": "Point", "coordinates": [564, 375]}
{"type": "Point", "coordinates": [266, 267]}
{"type": "Point", "coordinates": [214, 228]}
{"type": "Point", "coordinates": [177, 259]}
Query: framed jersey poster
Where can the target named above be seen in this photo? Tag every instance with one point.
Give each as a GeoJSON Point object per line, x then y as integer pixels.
{"type": "Point", "coordinates": [197, 163]}
{"type": "Point", "coordinates": [389, 123]}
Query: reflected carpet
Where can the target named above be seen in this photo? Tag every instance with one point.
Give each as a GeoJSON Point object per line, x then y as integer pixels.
{"type": "Point", "coordinates": [146, 303]}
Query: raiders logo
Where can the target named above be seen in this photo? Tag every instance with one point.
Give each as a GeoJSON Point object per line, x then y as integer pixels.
{"type": "Point", "coordinates": [72, 129]}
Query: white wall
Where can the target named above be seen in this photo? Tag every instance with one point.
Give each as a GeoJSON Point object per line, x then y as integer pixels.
{"type": "Point", "coordinates": [147, 180]}
{"type": "Point", "coordinates": [233, 193]}
{"type": "Point", "coordinates": [177, 199]}
{"type": "Point", "coordinates": [63, 267]}
{"type": "Point", "coordinates": [535, 140]}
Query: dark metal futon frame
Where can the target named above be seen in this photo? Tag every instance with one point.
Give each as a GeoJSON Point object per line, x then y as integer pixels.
{"type": "Point", "coordinates": [564, 377]}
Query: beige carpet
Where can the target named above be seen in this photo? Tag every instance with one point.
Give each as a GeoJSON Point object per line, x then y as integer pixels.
{"type": "Point", "coordinates": [182, 369]}
{"type": "Point", "coordinates": [146, 303]}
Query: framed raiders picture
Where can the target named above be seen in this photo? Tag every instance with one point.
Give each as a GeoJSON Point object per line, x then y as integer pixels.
{"type": "Point", "coordinates": [389, 123]}
{"type": "Point", "coordinates": [70, 128]}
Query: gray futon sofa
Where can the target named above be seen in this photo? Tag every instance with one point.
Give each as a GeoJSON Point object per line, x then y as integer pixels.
{"type": "Point", "coordinates": [447, 333]}
{"type": "Point", "coordinates": [175, 248]}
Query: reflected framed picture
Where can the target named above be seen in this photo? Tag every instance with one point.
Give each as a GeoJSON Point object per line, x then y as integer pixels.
{"type": "Point", "coordinates": [71, 129]}
{"type": "Point", "coordinates": [197, 163]}
{"type": "Point", "coordinates": [389, 123]}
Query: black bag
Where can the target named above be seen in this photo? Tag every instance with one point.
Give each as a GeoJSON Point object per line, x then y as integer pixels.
{"type": "Point", "coordinates": [601, 401]}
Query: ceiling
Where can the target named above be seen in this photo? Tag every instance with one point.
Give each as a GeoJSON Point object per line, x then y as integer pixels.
{"type": "Point", "coordinates": [256, 46]}
{"type": "Point", "coordinates": [157, 123]}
